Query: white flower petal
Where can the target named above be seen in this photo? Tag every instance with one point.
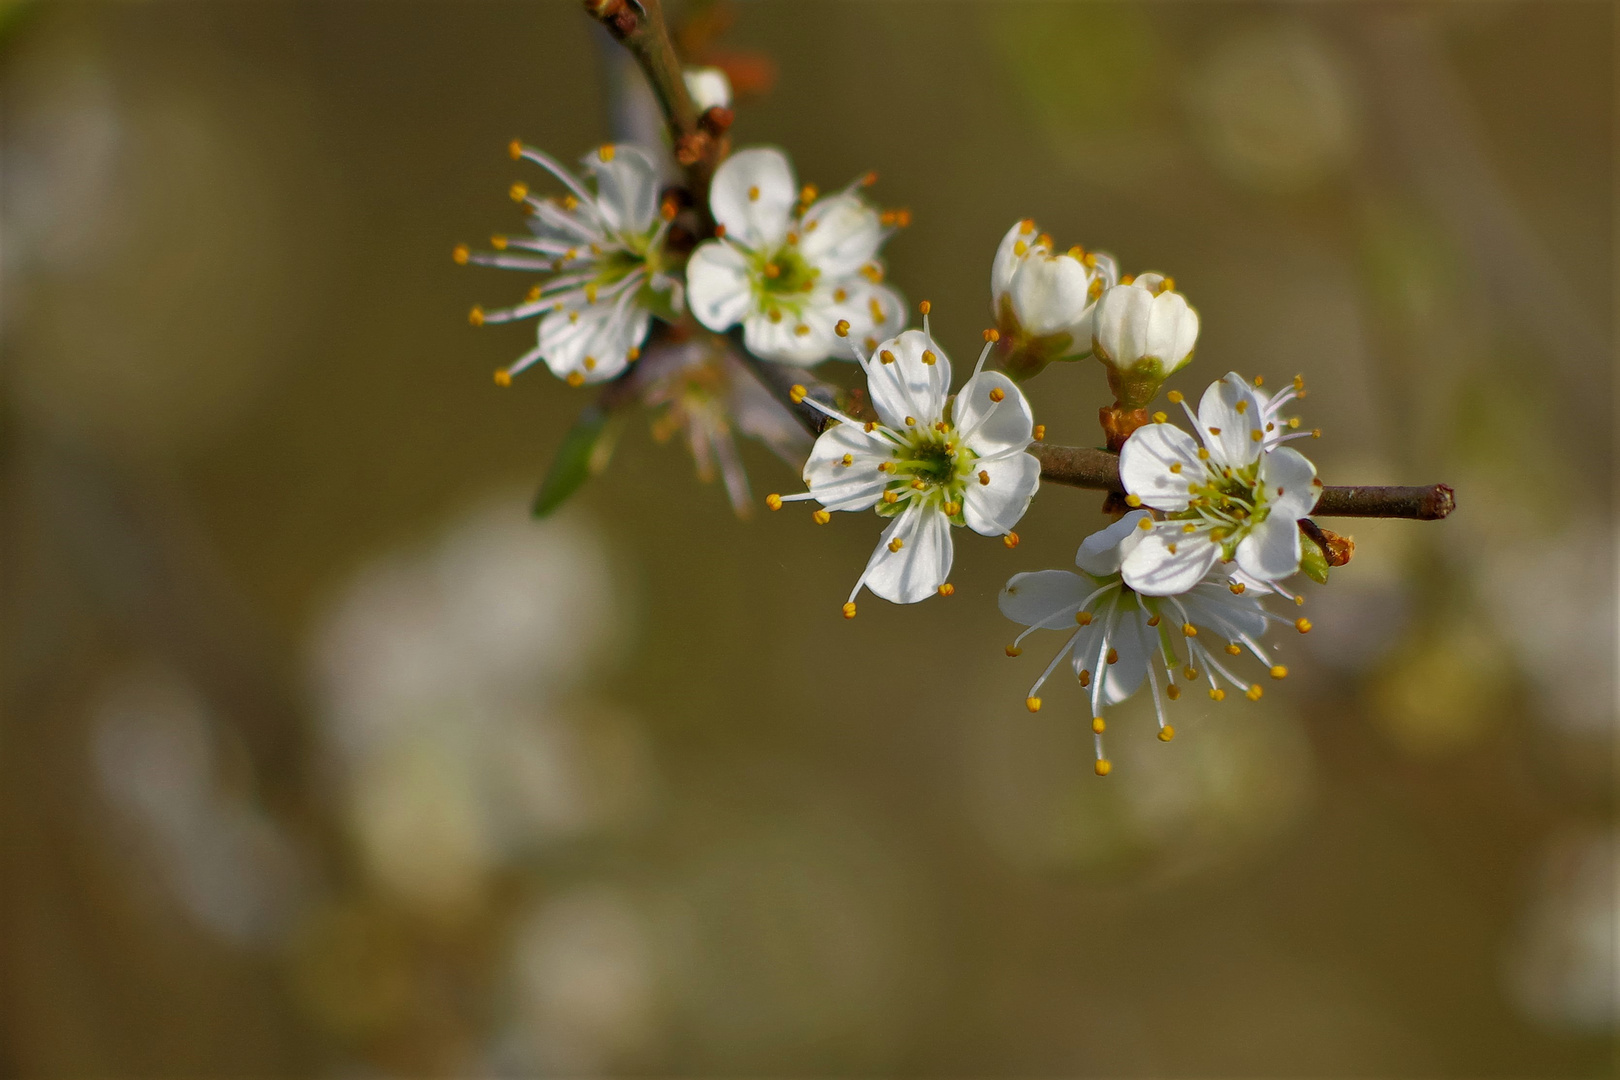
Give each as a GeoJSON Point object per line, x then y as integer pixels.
{"type": "Point", "coordinates": [1124, 676]}
{"type": "Point", "coordinates": [905, 386]}
{"type": "Point", "coordinates": [787, 340]}
{"type": "Point", "coordinates": [709, 87]}
{"type": "Point", "coordinates": [1049, 294]}
{"type": "Point", "coordinates": [1119, 325]}
{"type": "Point", "coordinates": [1172, 331]}
{"type": "Point", "coordinates": [1212, 604]}
{"type": "Point", "coordinates": [856, 486]}
{"type": "Point", "coordinates": [1227, 430]}
{"type": "Point", "coordinates": [718, 286]}
{"type": "Point", "coordinates": [1102, 552]}
{"type": "Point", "coordinates": [1146, 460]}
{"type": "Point", "coordinates": [626, 188]}
{"type": "Point", "coordinates": [989, 427]}
{"type": "Point", "coordinates": [753, 195]}
{"type": "Point", "coordinates": [840, 234]}
{"type": "Point", "coordinates": [1154, 570]}
{"type": "Point", "coordinates": [873, 311]}
{"type": "Point", "coordinates": [1007, 260]}
{"type": "Point", "coordinates": [922, 564]}
{"type": "Point", "coordinates": [993, 509]}
{"type": "Point", "coordinates": [1045, 598]}
{"type": "Point", "coordinates": [1290, 483]}
{"type": "Point", "coordinates": [1271, 550]}
{"type": "Point", "coordinates": [594, 340]}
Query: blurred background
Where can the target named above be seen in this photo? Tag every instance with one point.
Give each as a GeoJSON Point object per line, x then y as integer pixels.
{"type": "Point", "coordinates": [319, 757]}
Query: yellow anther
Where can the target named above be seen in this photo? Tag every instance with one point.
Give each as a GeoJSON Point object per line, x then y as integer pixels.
{"type": "Point", "coordinates": [1299, 382]}
{"type": "Point", "coordinates": [1189, 630]}
{"type": "Point", "coordinates": [1160, 417]}
{"type": "Point", "coordinates": [947, 589]}
{"type": "Point", "coordinates": [476, 316]}
{"type": "Point", "coordinates": [503, 377]}
{"type": "Point", "coordinates": [1145, 524]}
{"type": "Point", "coordinates": [1203, 454]}
{"type": "Point", "coordinates": [774, 501]}
{"type": "Point", "coordinates": [590, 363]}
{"type": "Point", "coordinates": [1302, 625]}
{"type": "Point", "coordinates": [848, 460]}
{"type": "Point", "coordinates": [1011, 540]}
{"type": "Point", "coordinates": [797, 393]}
{"type": "Point", "coordinates": [1254, 693]}
{"type": "Point", "coordinates": [1166, 733]}
{"type": "Point", "coordinates": [1013, 650]}
{"type": "Point", "coordinates": [984, 477]}
{"type": "Point", "coordinates": [891, 497]}
{"type": "Point", "coordinates": [1033, 704]}
{"type": "Point", "coordinates": [533, 294]}
{"type": "Point", "coordinates": [633, 354]}
{"type": "Point", "coordinates": [952, 509]}
{"type": "Point", "coordinates": [1085, 677]}
{"type": "Point", "coordinates": [720, 231]}
{"type": "Point", "coordinates": [919, 483]}
{"type": "Point", "coordinates": [1112, 657]}
{"type": "Point", "coordinates": [997, 394]}
{"type": "Point", "coordinates": [1174, 396]}
{"type": "Point", "coordinates": [840, 295]}
{"type": "Point", "coordinates": [911, 421]}
{"type": "Point", "coordinates": [515, 148]}
{"type": "Point", "coordinates": [590, 293]}
{"type": "Point", "coordinates": [1083, 618]}
{"type": "Point", "coordinates": [876, 309]}
{"type": "Point", "coordinates": [869, 179]}
{"type": "Point", "coordinates": [605, 152]}
{"type": "Point", "coordinates": [1098, 725]}
{"type": "Point", "coordinates": [753, 193]}
{"type": "Point", "coordinates": [1214, 431]}
{"type": "Point", "coordinates": [575, 378]}
{"type": "Point", "coordinates": [793, 237]}
{"type": "Point", "coordinates": [1242, 407]}
{"type": "Point", "coordinates": [1026, 226]}
{"type": "Point", "coordinates": [1020, 248]}
{"type": "Point", "coordinates": [992, 335]}
{"type": "Point", "coordinates": [1168, 284]}
{"type": "Point", "coordinates": [1257, 435]}
{"type": "Point", "coordinates": [461, 254]}
{"type": "Point", "coordinates": [1076, 252]}
{"type": "Point", "coordinates": [1299, 601]}
{"type": "Point", "coordinates": [886, 356]}
{"type": "Point", "coordinates": [1103, 767]}
{"type": "Point", "coordinates": [870, 425]}
{"type": "Point", "coordinates": [849, 610]}
{"type": "Point", "coordinates": [519, 192]}
{"type": "Point", "coordinates": [1190, 672]}
{"type": "Point", "coordinates": [1154, 619]}
{"type": "Point", "coordinates": [1133, 500]}
{"type": "Point", "coordinates": [772, 270]}
{"type": "Point", "coordinates": [1217, 694]}
{"type": "Point", "coordinates": [1040, 432]}
{"type": "Point", "coordinates": [1233, 648]}
{"type": "Point", "coordinates": [801, 330]}
{"type": "Point", "coordinates": [842, 328]}
{"type": "Point", "coordinates": [1237, 588]}
{"type": "Point", "coordinates": [1171, 548]}
{"type": "Point", "coordinates": [808, 193]}
{"type": "Point", "coordinates": [498, 242]}
{"type": "Point", "coordinates": [1189, 527]}
{"type": "Point", "coordinates": [1316, 433]}
{"type": "Point", "coordinates": [1044, 240]}
{"type": "Point", "coordinates": [570, 203]}
{"type": "Point", "coordinates": [1127, 279]}
{"type": "Point", "coordinates": [1279, 672]}
{"type": "Point", "coordinates": [1175, 466]}
{"type": "Point", "coordinates": [1173, 692]}
{"type": "Point", "coordinates": [821, 517]}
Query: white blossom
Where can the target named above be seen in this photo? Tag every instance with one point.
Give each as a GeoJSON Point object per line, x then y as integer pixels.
{"type": "Point", "coordinates": [928, 463]}
{"type": "Point", "coordinates": [603, 254]}
{"type": "Point", "coordinates": [1042, 299]}
{"type": "Point", "coordinates": [709, 87]}
{"type": "Point", "coordinates": [1142, 330]}
{"type": "Point", "coordinates": [1120, 638]}
{"type": "Point", "coordinates": [1239, 496]}
{"type": "Point", "coordinates": [790, 266]}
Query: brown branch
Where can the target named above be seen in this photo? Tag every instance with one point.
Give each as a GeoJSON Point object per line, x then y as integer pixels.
{"type": "Point", "coordinates": [698, 139]}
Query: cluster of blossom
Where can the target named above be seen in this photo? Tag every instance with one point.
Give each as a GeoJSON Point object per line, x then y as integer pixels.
{"type": "Point", "coordinates": [1214, 521]}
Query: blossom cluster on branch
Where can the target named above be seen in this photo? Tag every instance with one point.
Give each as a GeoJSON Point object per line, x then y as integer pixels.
{"type": "Point", "coordinates": [710, 300]}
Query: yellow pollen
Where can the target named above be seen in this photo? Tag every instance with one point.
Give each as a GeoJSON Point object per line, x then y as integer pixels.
{"type": "Point", "coordinates": [590, 294]}
{"type": "Point", "coordinates": [869, 179]}
{"type": "Point", "coordinates": [533, 294]}
{"type": "Point", "coordinates": [877, 310]}
{"type": "Point", "coordinates": [947, 589]}
{"type": "Point", "coordinates": [1033, 704]}
{"type": "Point", "coordinates": [984, 477]}
{"type": "Point", "coordinates": [606, 152]}
{"type": "Point", "coordinates": [1242, 407]}
{"type": "Point", "coordinates": [1302, 625]}
{"type": "Point", "coordinates": [1127, 279]}
{"type": "Point", "coordinates": [1166, 733]}
{"type": "Point", "coordinates": [1103, 767]}
{"type": "Point", "coordinates": [1190, 672]}
{"type": "Point", "coordinates": [1013, 650]}
{"type": "Point", "coordinates": [952, 509]}
{"type": "Point", "coordinates": [886, 356]}
{"type": "Point", "coordinates": [896, 544]}
{"type": "Point", "coordinates": [801, 330]}
{"type": "Point", "coordinates": [1171, 548]}
{"type": "Point", "coordinates": [1175, 466]}
{"type": "Point", "coordinates": [1174, 396]}
{"type": "Point", "coordinates": [1153, 621]}
{"type": "Point", "coordinates": [1044, 240]}
{"type": "Point", "coordinates": [1299, 601]}
{"type": "Point", "coordinates": [919, 483]}
{"type": "Point", "coordinates": [1255, 693]}
{"type": "Point", "coordinates": [941, 426]}
{"type": "Point", "coordinates": [772, 270]}
{"type": "Point", "coordinates": [515, 148]}
{"type": "Point", "coordinates": [1011, 540]}
{"type": "Point", "coordinates": [753, 193]}
{"type": "Point", "coordinates": [1237, 588]}
{"type": "Point", "coordinates": [774, 501]}
{"type": "Point", "coordinates": [928, 357]}
{"type": "Point", "coordinates": [1085, 677]}
{"type": "Point", "coordinates": [1020, 248]}
{"type": "Point", "coordinates": [1189, 629]}
{"type": "Point", "coordinates": [519, 192]}
{"type": "Point", "coordinates": [924, 307]}
{"type": "Point", "coordinates": [1077, 252]}
{"type": "Point", "coordinates": [498, 242]}
{"type": "Point", "coordinates": [808, 193]}
{"type": "Point", "coordinates": [793, 238]}
{"type": "Point", "coordinates": [842, 328]}
{"type": "Point", "coordinates": [476, 316]}
{"type": "Point", "coordinates": [1316, 433]}
{"type": "Point", "coordinates": [1145, 524]}
{"type": "Point", "coordinates": [840, 295]}
{"type": "Point", "coordinates": [848, 460]}
{"type": "Point", "coordinates": [911, 421]}
{"type": "Point", "coordinates": [590, 363]}
{"type": "Point", "coordinates": [870, 425]}
{"type": "Point", "coordinates": [503, 378]}
{"type": "Point", "coordinates": [775, 316]}
{"type": "Point", "coordinates": [1098, 725]}
{"type": "Point", "coordinates": [1160, 417]}
{"type": "Point", "coordinates": [633, 354]}
{"type": "Point", "coordinates": [1214, 431]}
{"type": "Point", "coordinates": [575, 378]}
{"type": "Point", "coordinates": [849, 610]}
{"type": "Point", "coordinates": [1189, 527]}
{"type": "Point", "coordinates": [1026, 226]}
{"type": "Point", "coordinates": [797, 393]}
{"type": "Point", "coordinates": [1040, 432]}
{"type": "Point", "coordinates": [1217, 694]}
{"type": "Point", "coordinates": [997, 394]}
{"type": "Point", "coordinates": [570, 203]}
{"type": "Point", "coordinates": [1112, 657]}
{"type": "Point", "coordinates": [1299, 382]}
{"type": "Point", "coordinates": [1168, 284]}
{"type": "Point", "coordinates": [1232, 648]}
{"type": "Point", "coordinates": [1173, 692]}
{"type": "Point", "coordinates": [821, 517]}
{"type": "Point", "coordinates": [461, 254]}
{"type": "Point", "coordinates": [1203, 454]}
{"type": "Point", "coordinates": [1257, 435]}
{"type": "Point", "coordinates": [1279, 672]}
{"type": "Point", "coordinates": [1083, 618]}
{"type": "Point", "coordinates": [891, 497]}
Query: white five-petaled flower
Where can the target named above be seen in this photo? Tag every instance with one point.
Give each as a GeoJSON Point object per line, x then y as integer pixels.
{"type": "Point", "coordinates": [604, 254]}
{"type": "Point", "coordinates": [929, 462]}
{"type": "Point", "coordinates": [789, 266]}
{"type": "Point", "coordinates": [1239, 496]}
{"type": "Point", "coordinates": [1142, 330]}
{"type": "Point", "coordinates": [1043, 299]}
{"type": "Point", "coordinates": [1120, 637]}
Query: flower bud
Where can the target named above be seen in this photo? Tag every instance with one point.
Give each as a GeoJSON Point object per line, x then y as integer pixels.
{"type": "Point", "coordinates": [1142, 332]}
{"type": "Point", "coordinates": [709, 87]}
{"type": "Point", "coordinates": [1042, 301]}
